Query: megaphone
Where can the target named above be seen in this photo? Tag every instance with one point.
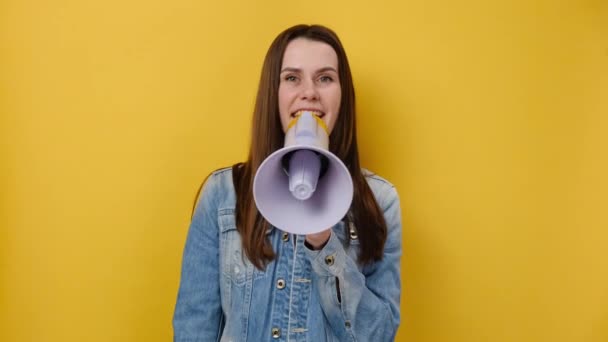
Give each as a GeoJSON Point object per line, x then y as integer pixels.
{"type": "Point", "coordinates": [303, 188]}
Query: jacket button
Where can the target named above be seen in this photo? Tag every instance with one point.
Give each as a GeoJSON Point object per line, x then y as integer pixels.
{"type": "Point", "coordinates": [285, 237]}
{"type": "Point", "coordinates": [353, 231]}
{"type": "Point", "coordinates": [280, 284]}
{"type": "Point", "coordinates": [276, 333]}
{"type": "Point", "coordinates": [329, 260]}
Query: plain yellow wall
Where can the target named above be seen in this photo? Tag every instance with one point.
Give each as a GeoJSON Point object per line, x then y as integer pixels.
{"type": "Point", "coordinates": [490, 117]}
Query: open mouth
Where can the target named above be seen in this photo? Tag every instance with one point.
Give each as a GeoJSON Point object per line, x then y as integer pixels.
{"type": "Point", "coordinates": [316, 112]}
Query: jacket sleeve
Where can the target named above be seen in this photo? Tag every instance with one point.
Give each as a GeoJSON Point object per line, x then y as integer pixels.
{"type": "Point", "coordinates": [198, 314]}
{"type": "Point", "coordinates": [362, 307]}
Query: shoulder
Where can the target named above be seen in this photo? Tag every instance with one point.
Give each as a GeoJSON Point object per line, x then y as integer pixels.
{"type": "Point", "coordinates": [375, 179]}
{"type": "Point", "coordinates": [220, 176]}
{"type": "Point", "coordinates": [217, 189]}
{"type": "Point", "coordinates": [388, 201]}
{"type": "Point", "coordinates": [383, 189]}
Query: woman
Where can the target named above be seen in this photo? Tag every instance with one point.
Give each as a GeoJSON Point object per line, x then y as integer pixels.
{"type": "Point", "coordinates": [244, 280]}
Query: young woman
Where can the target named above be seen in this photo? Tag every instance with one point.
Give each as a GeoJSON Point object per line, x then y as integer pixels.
{"type": "Point", "coordinates": [245, 280]}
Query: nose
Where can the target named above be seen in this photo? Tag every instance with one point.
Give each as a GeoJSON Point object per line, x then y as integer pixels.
{"type": "Point", "coordinates": [309, 91]}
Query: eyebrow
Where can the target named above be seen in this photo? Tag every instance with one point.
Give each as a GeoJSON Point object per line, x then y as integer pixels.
{"type": "Point", "coordinates": [327, 68]}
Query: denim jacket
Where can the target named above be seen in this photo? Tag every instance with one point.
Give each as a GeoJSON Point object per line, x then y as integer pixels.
{"type": "Point", "coordinates": [302, 295]}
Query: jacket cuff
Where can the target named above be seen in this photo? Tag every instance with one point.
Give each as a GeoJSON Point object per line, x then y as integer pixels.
{"type": "Point", "coordinates": [330, 260]}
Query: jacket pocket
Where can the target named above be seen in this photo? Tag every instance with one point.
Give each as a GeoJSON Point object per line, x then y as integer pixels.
{"type": "Point", "coordinates": [234, 263]}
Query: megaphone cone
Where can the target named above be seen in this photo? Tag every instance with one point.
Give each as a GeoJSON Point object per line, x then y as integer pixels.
{"type": "Point", "coordinates": [303, 188]}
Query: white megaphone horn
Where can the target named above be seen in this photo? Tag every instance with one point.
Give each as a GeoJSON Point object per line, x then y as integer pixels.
{"type": "Point", "coordinates": [303, 188]}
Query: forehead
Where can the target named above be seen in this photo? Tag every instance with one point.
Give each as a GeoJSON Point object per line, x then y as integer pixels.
{"type": "Point", "coordinates": [304, 53]}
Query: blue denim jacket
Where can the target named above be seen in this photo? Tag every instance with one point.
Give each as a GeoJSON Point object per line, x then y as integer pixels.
{"type": "Point", "coordinates": [303, 295]}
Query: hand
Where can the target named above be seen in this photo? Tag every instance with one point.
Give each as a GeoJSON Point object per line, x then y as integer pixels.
{"type": "Point", "coordinates": [318, 240]}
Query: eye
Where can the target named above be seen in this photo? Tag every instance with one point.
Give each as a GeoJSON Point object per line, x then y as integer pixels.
{"type": "Point", "coordinates": [326, 79]}
{"type": "Point", "coordinates": [290, 78]}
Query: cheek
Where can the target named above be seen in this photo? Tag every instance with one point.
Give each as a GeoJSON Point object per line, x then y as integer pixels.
{"type": "Point", "coordinates": [333, 97]}
{"type": "Point", "coordinates": [284, 107]}
{"type": "Point", "coordinates": [335, 100]}
{"type": "Point", "coordinates": [285, 96]}
{"type": "Point", "coordinates": [281, 97]}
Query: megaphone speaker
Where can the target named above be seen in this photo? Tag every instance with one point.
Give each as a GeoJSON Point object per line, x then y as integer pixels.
{"type": "Point", "coordinates": [303, 188]}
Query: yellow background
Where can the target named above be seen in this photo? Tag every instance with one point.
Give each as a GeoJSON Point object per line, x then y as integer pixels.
{"type": "Point", "coordinates": [490, 117]}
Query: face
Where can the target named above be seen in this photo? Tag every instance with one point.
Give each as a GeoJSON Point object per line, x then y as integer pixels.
{"type": "Point", "coordinates": [309, 81]}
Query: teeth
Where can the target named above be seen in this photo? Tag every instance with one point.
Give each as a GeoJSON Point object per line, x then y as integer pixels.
{"type": "Point", "coordinates": [313, 112]}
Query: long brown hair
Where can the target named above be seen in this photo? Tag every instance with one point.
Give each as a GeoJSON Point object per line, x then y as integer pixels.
{"type": "Point", "coordinates": [267, 136]}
